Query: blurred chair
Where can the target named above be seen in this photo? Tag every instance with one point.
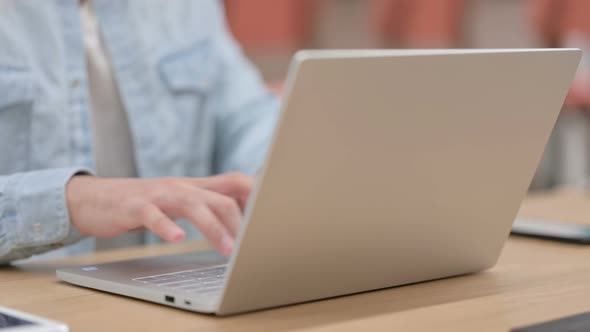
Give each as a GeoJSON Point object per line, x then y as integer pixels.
{"type": "Point", "coordinates": [418, 23]}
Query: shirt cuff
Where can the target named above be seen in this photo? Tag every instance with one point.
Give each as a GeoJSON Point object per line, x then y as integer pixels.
{"type": "Point", "coordinates": [40, 209]}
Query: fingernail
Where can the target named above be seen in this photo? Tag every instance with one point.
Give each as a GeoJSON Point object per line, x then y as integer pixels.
{"type": "Point", "coordinates": [178, 237]}
{"type": "Point", "coordinates": [227, 245]}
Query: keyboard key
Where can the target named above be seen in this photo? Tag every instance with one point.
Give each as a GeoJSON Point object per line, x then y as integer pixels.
{"type": "Point", "coordinates": [201, 281]}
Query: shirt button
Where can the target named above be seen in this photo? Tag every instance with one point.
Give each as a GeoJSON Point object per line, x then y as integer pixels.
{"type": "Point", "coordinates": [37, 228]}
{"type": "Point", "coordinates": [74, 83]}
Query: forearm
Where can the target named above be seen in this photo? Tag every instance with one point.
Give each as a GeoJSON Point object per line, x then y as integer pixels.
{"type": "Point", "coordinates": [246, 135]}
{"type": "Point", "coordinates": [245, 110]}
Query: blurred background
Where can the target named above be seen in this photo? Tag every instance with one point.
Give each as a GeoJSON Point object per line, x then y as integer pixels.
{"type": "Point", "coordinates": [270, 31]}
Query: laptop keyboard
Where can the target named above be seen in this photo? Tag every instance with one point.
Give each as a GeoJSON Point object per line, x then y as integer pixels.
{"type": "Point", "coordinates": [201, 281]}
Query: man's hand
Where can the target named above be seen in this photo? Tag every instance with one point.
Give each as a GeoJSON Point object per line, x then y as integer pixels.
{"type": "Point", "coordinates": [107, 207]}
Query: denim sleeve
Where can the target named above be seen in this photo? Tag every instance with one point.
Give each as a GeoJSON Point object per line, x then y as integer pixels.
{"type": "Point", "coordinates": [33, 213]}
{"type": "Point", "coordinates": [246, 111]}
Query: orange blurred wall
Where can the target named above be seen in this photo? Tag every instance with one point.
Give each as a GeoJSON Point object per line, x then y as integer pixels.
{"type": "Point", "coordinates": [271, 24]}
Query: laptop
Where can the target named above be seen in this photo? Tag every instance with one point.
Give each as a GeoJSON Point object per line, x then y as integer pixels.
{"type": "Point", "coordinates": [386, 168]}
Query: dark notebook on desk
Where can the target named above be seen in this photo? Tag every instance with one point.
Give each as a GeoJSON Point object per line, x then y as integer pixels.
{"type": "Point", "coordinates": [576, 323]}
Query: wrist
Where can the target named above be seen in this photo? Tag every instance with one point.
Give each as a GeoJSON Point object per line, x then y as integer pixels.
{"type": "Point", "coordinates": [75, 199]}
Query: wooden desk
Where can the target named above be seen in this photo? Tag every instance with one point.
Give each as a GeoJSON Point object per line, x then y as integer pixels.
{"type": "Point", "coordinates": [533, 281]}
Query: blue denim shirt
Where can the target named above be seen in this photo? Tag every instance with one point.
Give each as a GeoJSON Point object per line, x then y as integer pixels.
{"type": "Point", "coordinates": [195, 105]}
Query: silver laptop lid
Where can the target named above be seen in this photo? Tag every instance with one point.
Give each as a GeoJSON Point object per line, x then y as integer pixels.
{"type": "Point", "coordinates": [391, 167]}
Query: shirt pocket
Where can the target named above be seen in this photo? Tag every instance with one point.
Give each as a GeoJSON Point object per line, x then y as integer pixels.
{"type": "Point", "coordinates": [190, 70]}
{"type": "Point", "coordinates": [16, 109]}
{"type": "Point", "coordinates": [191, 77]}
